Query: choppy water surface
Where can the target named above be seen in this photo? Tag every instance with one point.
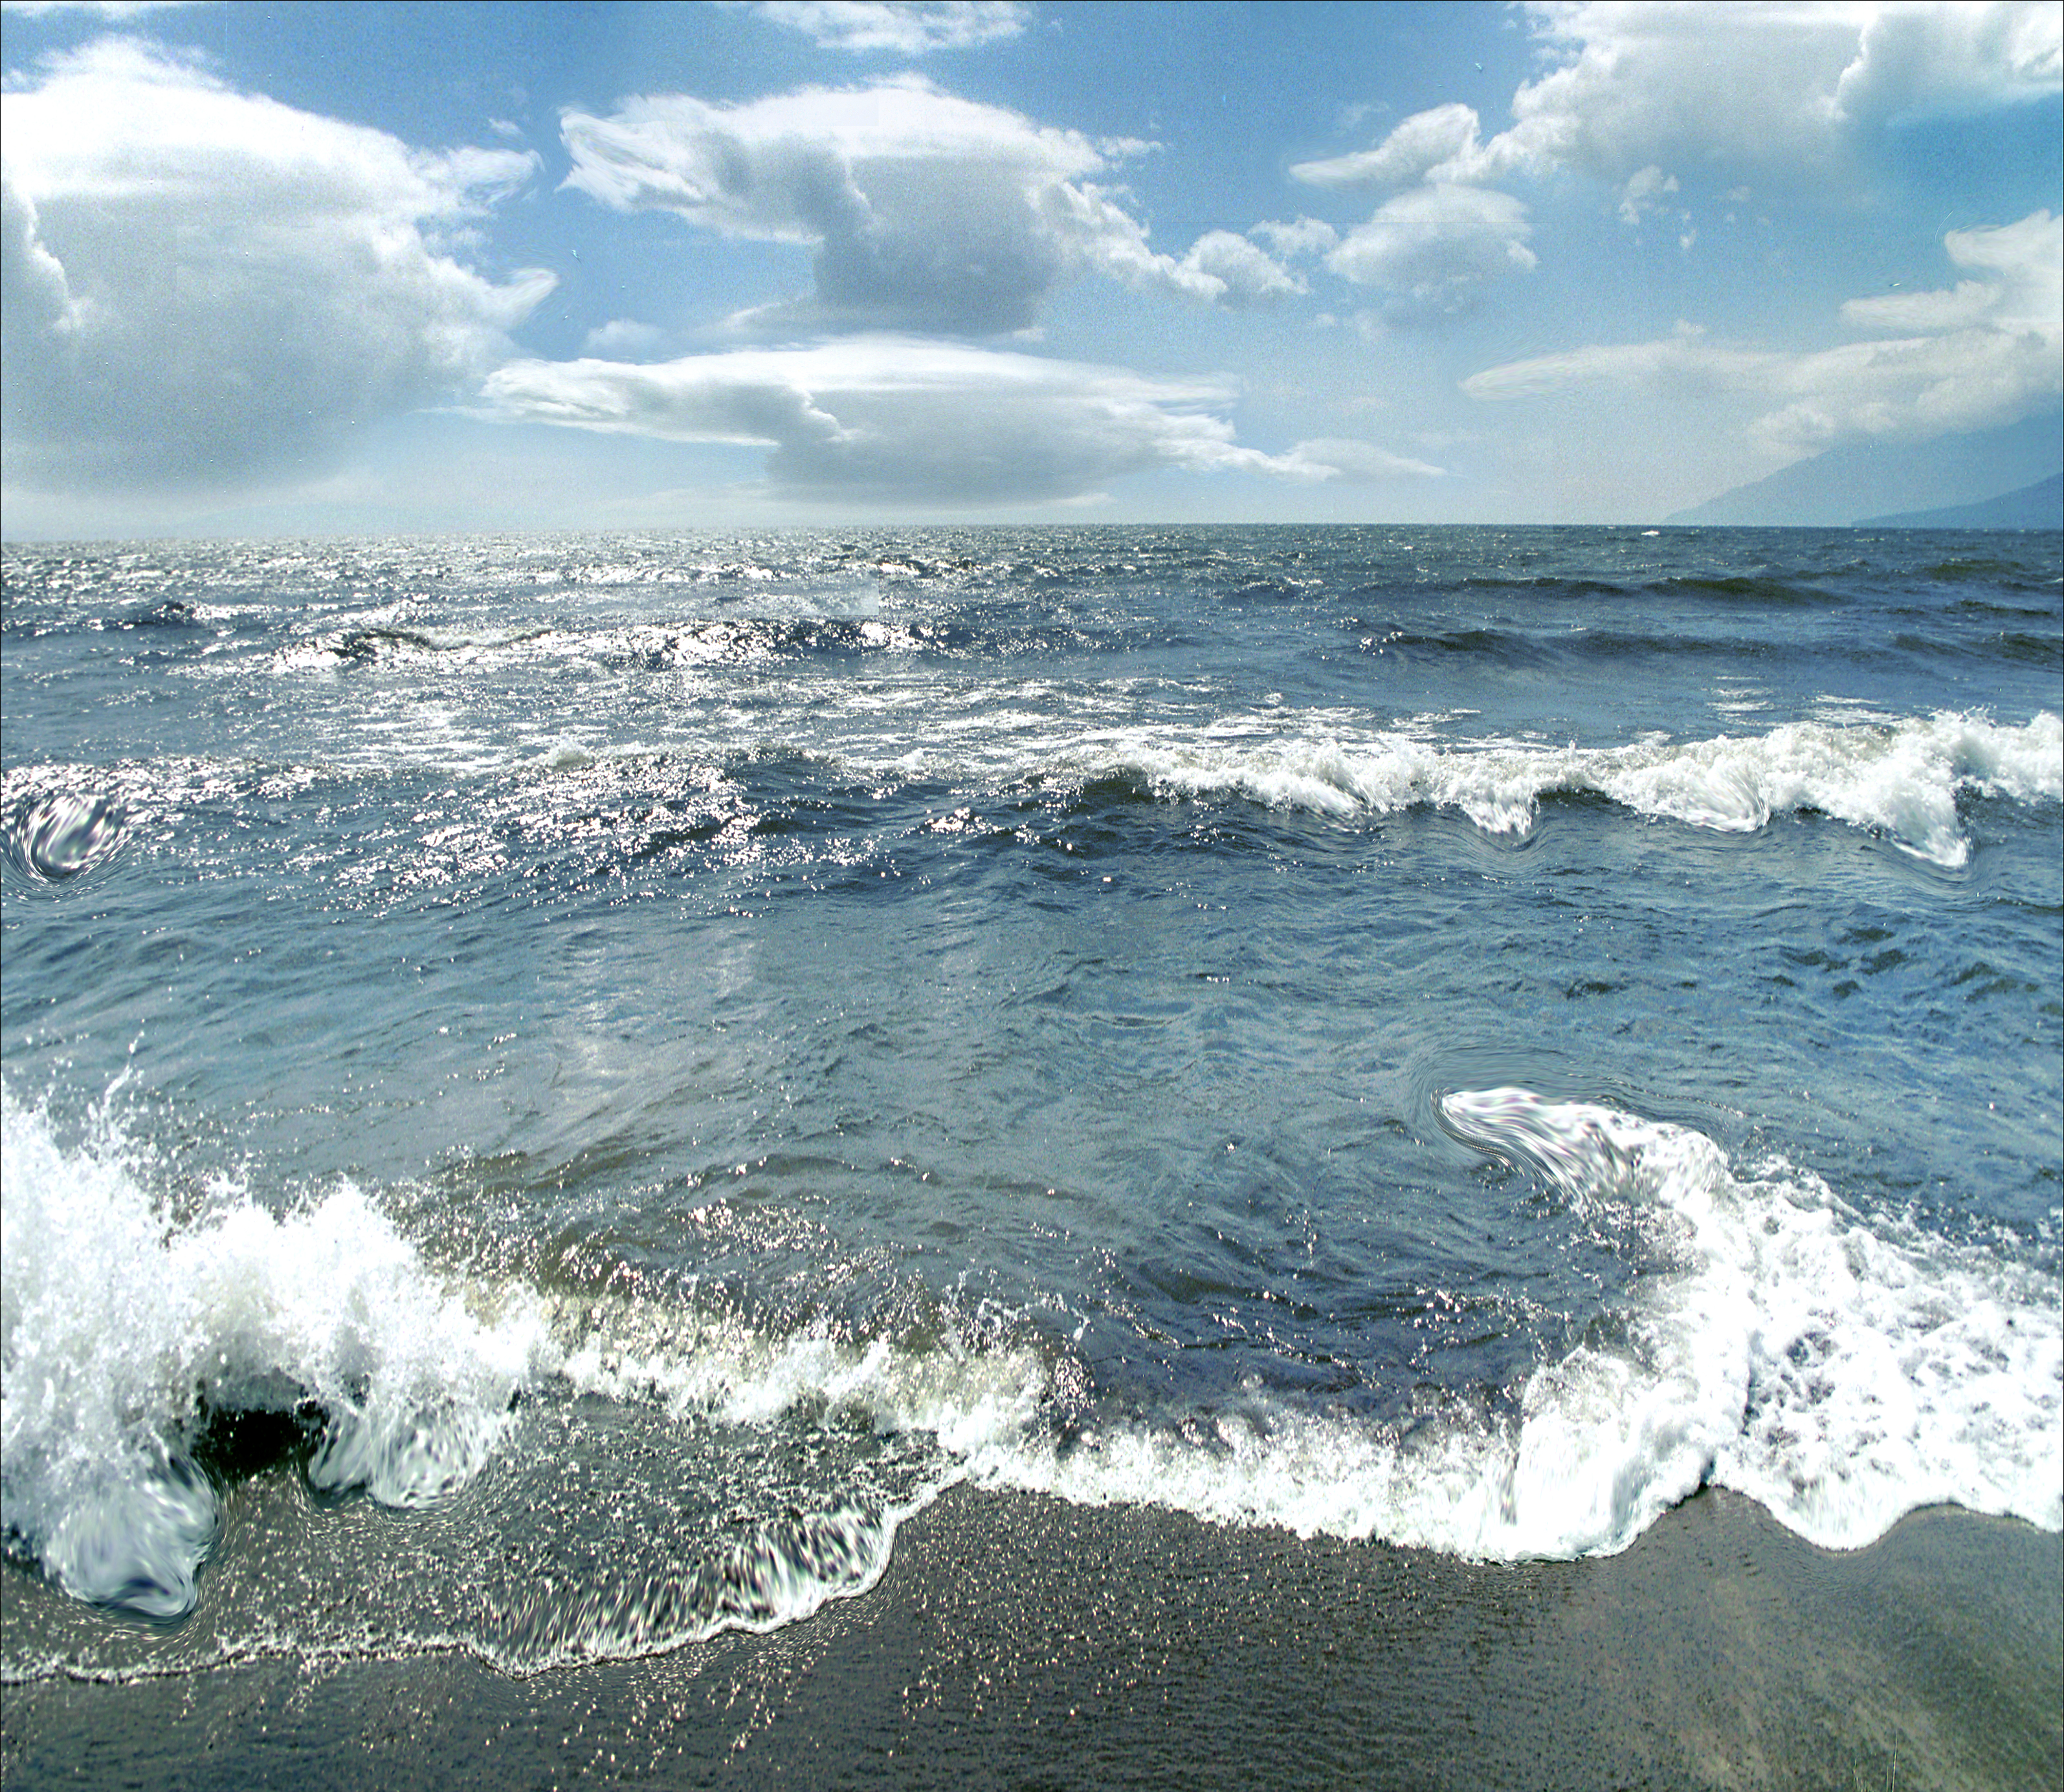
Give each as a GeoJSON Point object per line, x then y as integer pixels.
{"type": "Point", "coordinates": [557, 1088]}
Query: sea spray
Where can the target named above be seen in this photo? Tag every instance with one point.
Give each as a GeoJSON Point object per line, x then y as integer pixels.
{"type": "Point", "coordinates": [125, 1331]}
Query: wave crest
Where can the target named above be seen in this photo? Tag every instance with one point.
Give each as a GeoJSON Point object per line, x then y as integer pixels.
{"type": "Point", "coordinates": [1901, 779]}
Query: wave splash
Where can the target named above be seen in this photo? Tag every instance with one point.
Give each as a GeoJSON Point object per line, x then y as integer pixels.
{"type": "Point", "coordinates": [126, 1333]}
{"type": "Point", "coordinates": [1902, 780]}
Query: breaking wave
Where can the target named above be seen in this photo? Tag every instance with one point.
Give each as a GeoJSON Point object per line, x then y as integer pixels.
{"type": "Point", "coordinates": [1901, 779]}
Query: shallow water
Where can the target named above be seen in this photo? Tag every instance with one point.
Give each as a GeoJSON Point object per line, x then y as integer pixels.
{"type": "Point", "coordinates": [618, 1066]}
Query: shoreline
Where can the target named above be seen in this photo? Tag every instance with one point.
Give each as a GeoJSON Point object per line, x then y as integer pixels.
{"type": "Point", "coordinates": [1015, 1640]}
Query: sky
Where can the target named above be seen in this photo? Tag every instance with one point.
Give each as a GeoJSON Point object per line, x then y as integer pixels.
{"type": "Point", "coordinates": [310, 267]}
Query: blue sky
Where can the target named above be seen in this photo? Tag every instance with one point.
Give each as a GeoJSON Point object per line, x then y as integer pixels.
{"type": "Point", "coordinates": [293, 268]}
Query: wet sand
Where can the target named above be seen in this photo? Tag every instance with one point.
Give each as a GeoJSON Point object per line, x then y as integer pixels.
{"type": "Point", "coordinates": [1019, 1641]}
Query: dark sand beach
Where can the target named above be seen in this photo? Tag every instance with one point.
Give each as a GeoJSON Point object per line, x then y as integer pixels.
{"type": "Point", "coordinates": [1021, 1641]}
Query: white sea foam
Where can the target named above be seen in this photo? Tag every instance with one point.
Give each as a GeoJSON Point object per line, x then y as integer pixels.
{"type": "Point", "coordinates": [966, 1396]}
{"type": "Point", "coordinates": [1839, 1372]}
{"type": "Point", "coordinates": [1901, 779]}
{"type": "Point", "coordinates": [1842, 1371]}
{"type": "Point", "coordinates": [777, 1574]}
{"type": "Point", "coordinates": [117, 1326]}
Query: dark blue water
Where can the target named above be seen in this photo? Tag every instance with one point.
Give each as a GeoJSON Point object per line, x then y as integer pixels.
{"type": "Point", "coordinates": [619, 1065]}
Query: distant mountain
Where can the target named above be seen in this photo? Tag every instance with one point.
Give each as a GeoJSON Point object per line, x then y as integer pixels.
{"type": "Point", "coordinates": [2038, 506]}
{"type": "Point", "coordinates": [1878, 479]}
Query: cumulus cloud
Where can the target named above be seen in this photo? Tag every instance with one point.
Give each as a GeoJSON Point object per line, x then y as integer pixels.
{"type": "Point", "coordinates": [1677, 84]}
{"type": "Point", "coordinates": [1246, 274]}
{"type": "Point", "coordinates": [1988, 352]}
{"type": "Point", "coordinates": [202, 283]}
{"type": "Point", "coordinates": [1439, 244]}
{"type": "Point", "coordinates": [908, 27]}
{"type": "Point", "coordinates": [1439, 144]}
{"type": "Point", "coordinates": [874, 419]}
{"type": "Point", "coordinates": [927, 213]}
{"type": "Point", "coordinates": [1922, 60]}
{"type": "Point", "coordinates": [1640, 90]}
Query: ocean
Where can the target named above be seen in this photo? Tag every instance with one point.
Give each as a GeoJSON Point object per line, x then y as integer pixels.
{"type": "Point", "coordinates": [559, 1089]}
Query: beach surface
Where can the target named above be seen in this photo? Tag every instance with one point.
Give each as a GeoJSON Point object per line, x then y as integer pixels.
{"type": "Point", "coordinates": [1017, 1640]}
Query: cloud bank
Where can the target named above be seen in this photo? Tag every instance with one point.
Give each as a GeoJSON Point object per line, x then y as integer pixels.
{"type": "Point", "coordinates": [933, 222]}
{"type": "Point", "coordinates": [201, 285]}
{"type": "Point", "coordinates": [1989, 352]}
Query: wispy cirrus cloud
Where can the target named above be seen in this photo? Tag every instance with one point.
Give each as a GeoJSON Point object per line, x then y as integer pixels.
{"type": "Point", "coordinates": [201, 284]}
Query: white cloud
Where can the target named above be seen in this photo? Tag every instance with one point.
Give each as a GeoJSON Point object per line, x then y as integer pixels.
{"type": "Point", "coordinates": [908, 27]}
{"type": "Point", "coordinates": [1643, 193]}
{"type": "Point", "coordinates": [115, 11]}
{"type": "Point", "coordinates": [1304, 237]}
{"type": "Point", "coordinates": [892, 419]}
{"type": "Point", "coordinates": [1673, 84]}
{"type": "Point", "coordinates": [1439, 144]}
{"type": "Point", "coordinates": [202, 283]}
{"type": "Point", "coordinates": [927, 213]}
{"type": "Point", "coordinates": [624, 339]}
{"type": "Point", "coordinates": [1438, 244]}
{"type": "Point", "coordinates": [1360, 462]}
{"type": "Point", "coordinates": [1641, 88]}
{"type": "Point", "coordinates": [1688, 354]}
{"type": "Point", "coordinates": [1918, 61]}
{"type": "Point", "coordinates": [1440, 241]}
{"type": "Point", "coordinates": [1677, 83]}
{"type": "Point", "coordinates": [1989, 352]}
{"type": "Point", "coordinates": [1247, 275]}
{"type": "Point", "coordinates": [1664, 83]}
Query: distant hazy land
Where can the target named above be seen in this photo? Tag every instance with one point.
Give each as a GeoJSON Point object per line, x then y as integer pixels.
{"type": "Point", "coordinates": [2005, 473]}
{"type": "Point", "coordinates": [2040, 505]}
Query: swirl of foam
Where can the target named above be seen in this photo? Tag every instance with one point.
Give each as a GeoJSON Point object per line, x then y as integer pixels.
{"type": "Point", "coordinates": [60, 835]}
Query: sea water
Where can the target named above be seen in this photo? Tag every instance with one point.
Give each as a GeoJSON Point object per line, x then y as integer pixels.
{"type": "Point", "coordinates": [558, 1087]}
